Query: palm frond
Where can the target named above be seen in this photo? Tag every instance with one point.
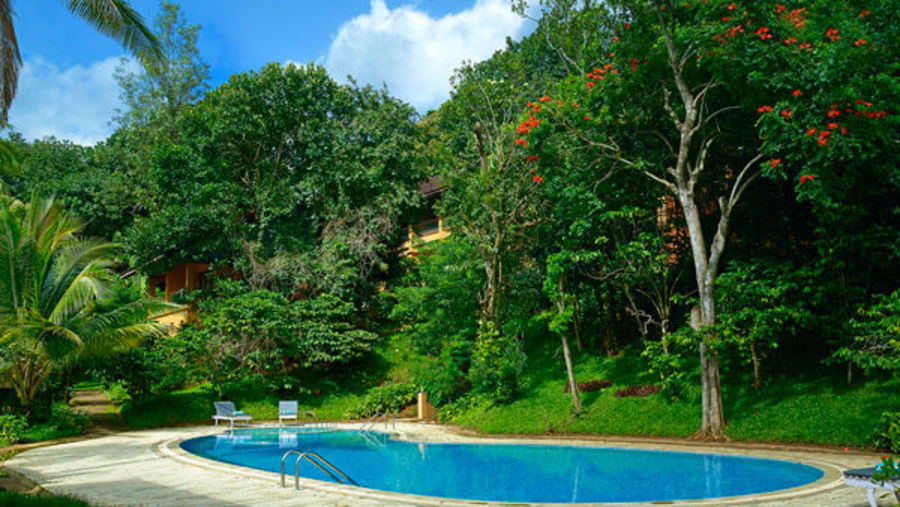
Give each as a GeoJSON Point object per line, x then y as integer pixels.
{"type": "Point", "coordinates": [117, 19]}
{"type": "Point", "coordinates": [10, 60]}
{"type": "Point", "coordinates": [9, 155]}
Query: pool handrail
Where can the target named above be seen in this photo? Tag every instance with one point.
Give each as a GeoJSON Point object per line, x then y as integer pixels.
{"type": "Point", "coordinates": [317, 460]}
{"type": "Point", "coordinates": [370, 423]}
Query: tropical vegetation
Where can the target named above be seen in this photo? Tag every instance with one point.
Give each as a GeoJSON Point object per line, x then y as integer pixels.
{"type": "Point", "coordinates": [666, 218]}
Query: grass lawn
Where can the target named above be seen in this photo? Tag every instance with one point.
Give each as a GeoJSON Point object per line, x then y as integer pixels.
{"type": "Point", "coordinates": [811, 408]}
{"type": "Point", "coordinates": [195, 405]}
{"type": "Point", "coordinates": [8, 499]}
{"type": "Point", "coordinates": [820, 409]}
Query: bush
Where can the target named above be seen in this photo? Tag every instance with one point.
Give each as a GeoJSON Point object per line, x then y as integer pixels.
{"type": "Point", "coordinates": [386, 399]}
{"type": "Point", "coordinates": [12, 428]}
{"type": "Point", "coordinates": [497, 363]}
{"type": "Point", "coordinates": [326, 334]}
{"type": "Point", "coordinates": [889, 437]}
{"type": "Point", "coordinates": [64, 418]}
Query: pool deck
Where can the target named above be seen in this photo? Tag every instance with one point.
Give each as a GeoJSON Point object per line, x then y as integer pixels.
{"type": "Point", "coordinates": [149, 468]}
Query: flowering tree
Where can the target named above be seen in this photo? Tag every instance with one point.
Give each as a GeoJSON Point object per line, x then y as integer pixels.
{"type": "Point", "coordinates": [692, 96]}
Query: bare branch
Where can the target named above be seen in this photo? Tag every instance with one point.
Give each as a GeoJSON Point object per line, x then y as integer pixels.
{"type": "Point", "coordinates": [739, 187]}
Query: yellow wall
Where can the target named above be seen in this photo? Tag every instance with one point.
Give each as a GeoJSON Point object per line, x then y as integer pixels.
{"type": "Point", "coordinates": [441, 233]}
{"type": "Point", "coordinates": [185, 276]}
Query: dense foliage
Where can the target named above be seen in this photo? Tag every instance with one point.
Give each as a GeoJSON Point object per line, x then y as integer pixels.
{"type": "Point", "coordinates": [699, 196]}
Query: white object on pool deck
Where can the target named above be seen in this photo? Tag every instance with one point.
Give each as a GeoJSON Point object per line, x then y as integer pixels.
{"type": "Point", "coordinates": [226, 411]}
{"type": "Point", "coordinates": [862, 477]}
{"type": "Point", "coordinates": [287, 410]}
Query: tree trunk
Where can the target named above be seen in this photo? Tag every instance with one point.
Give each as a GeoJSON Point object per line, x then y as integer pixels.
{"type": "Point", "coordinates": [712, 426]}
{"type": "Point", "coordinates": [567, 354]}
{"type": "Point", "coordinates": [576, 320]}
{"type": "Point", "coordinates": [754, 357]}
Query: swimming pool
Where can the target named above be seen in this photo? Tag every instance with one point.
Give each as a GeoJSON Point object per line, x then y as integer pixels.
{"type": "Point", "coordinates": [508, 472]}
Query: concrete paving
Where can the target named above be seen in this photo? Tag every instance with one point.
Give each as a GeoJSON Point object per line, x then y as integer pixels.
{"type": "Point", "coordinates": [149, 468]}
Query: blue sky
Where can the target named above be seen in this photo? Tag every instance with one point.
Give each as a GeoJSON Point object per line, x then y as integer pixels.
{"type": "Point", "coordinates": [66, 88]}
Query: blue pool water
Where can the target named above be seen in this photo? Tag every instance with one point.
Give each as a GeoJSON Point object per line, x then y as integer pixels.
{"type": "Point", "coordinates": [508, 472]}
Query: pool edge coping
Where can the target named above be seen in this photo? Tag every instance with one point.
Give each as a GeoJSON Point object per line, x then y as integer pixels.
{"type": "Point", "coordinates": [832, 477]}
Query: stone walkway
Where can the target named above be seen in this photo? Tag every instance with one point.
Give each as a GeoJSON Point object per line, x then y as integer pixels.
{"type": "Point", "coordinates": [149, 468]}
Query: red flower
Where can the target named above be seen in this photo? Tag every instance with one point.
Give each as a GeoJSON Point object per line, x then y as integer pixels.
{"type": "Point", "coordinates": [522, 142]}
{"type": "Point", "coordinates": [806, 177]}
{"type": "Point", "coordinates": [789, 41]}
{"type": "Point", "coordinates": [533, 171]}
{"type": "Point", "coordinates": [775, 162]}
{"type": "Point", "coordinates": [779, 8]}
{"type": "Point", "coordinates": [731, 7]}
{"type": "Point", "coordinates": [764, 109]}
{"type": "Point", "coordinates": [523, 129]}
{"type": "Point", "coordinates": [832, 125]}
{"type": "Point", "coordinates": [763, 33]}
{"type": "Point", "coordinates": [590, 85]}
{"type": "Point", "coordinates": [725, 19]}
{"type": "Point", "coordinates": [834, 113]}
{"type": "Point", "coordinates": [832, 34]}
{"type": "Point", "coordinates": [823, 142]}
{"type": "Point", "coordinates": [575, 105]}
{"type": "Point", "coordinates": [587, 118]}
{"type": "Point", "coordinates": [537, 179]}
{"type": "Point", "coordinates": [544, 99]}
{"type": "Point", "coordinates": [863, 13]}
{"type": "Point", "coordinates": [811, 132]}
{"type": "Point", "coordinates": [532, 158]}
{"type": "Point", "coordinates": [797, 93]}
{"type": "Point", "coordinates": [786, 114]}
{"type": "Point", "coordinates": [860, 42]}
{"type": "Point", "coordinates": [844, 130]}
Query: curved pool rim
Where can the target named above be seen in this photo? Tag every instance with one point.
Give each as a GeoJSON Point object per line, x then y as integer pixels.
{"type": "Point", "coordinates": [831, 479]}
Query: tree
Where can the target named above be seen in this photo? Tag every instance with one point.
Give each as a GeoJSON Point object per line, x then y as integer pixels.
{"type": "Point", "coordinates": [876, 335]}
{"type": "Point", "coordinates": [762, 304]}
{"type": "Point", "coordinates": [54, 308]}
{"type": "Point", "coordinates": [115, 18]}
{"type": "Point", "coordinates": [167, 83]}
{"type": "Point", "coordinates": [559, 267]}
{"type": "Point", "coordinates": [243, 184]}
{"type": "Point", "coordinates": [79, 179]}
{"type": "Point", "coordinates": [704, 134]}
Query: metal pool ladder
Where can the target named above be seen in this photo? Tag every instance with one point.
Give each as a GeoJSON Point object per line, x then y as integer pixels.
{"type": "Point", "coordinates": [320, 463]}
{"type": "Point", "coordinates": [379, 417]}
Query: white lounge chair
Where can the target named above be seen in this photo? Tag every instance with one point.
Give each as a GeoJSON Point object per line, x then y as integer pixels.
{"type": "Point", "coordinates": [226, 411]}
{"type": "Point", "coordinates": [862, 477]}
{"type": "Point", "coordinates": [287, 410]}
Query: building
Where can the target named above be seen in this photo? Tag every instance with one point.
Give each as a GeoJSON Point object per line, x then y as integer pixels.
{"type": "Point", "coordinates": [425, 225]}
{"type": "Point", "coordinates": [173, 285]}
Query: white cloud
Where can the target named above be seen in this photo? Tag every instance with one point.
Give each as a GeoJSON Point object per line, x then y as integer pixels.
{"type": "Point", "coordinates": [415, 54]}
{"type": "Point", "coordinates": [74, 103]}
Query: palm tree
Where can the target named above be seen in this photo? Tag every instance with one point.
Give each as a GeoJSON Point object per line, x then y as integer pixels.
{"type": "Point", "coordinates": [115, 18]}
{"type": "Point", "coordinates": [54, 296]}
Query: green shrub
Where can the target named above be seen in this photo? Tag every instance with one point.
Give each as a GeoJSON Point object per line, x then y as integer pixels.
{"type": "Point", "coordinates": [64, 418]}
{"type": "Point", "coordinates": [497, 363]}
{"type": "Point", "coordinates": [10, 499]}
{"type": "Point", "coordinates": [387, 398]}
{"type": "Point", "coordinates": [12, 428]}
{"type": "Point", "coordinates": [889, 437]}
